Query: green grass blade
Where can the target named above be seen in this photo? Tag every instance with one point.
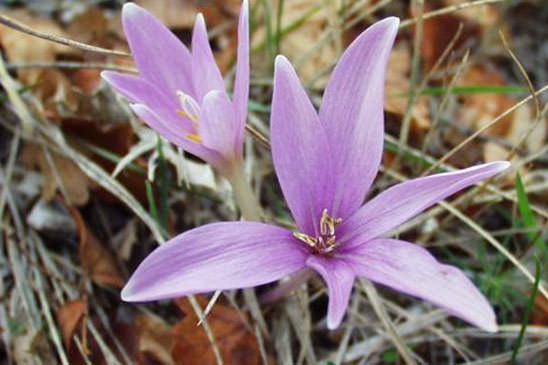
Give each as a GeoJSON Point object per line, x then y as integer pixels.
{"type": "Point", "coordinates": [151, 202]}
{"type": "Point", "coordinates": [164, 187]}
{"type": "Point", "coordinates": [527, 216]}
{"type": "Point", "coordinates": [469, 89]}
{"type": "Point", "coordinates": [528, 311]}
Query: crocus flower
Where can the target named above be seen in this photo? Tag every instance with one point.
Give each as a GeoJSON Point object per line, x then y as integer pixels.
{"type": "Point", "coordinates": [181, 94]}
{"type": "Point", "coordinates": [325, 164]}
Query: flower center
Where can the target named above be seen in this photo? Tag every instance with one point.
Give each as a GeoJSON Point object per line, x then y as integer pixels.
{"type": "Point", "coordinates": [326, 241]}
{"type": "Point", "coordinates": [190, 109]}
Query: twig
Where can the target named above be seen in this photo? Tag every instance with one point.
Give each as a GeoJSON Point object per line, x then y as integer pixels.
{"type": "Point", "coordinates": [71, 65]}
{"type": "Point", "coordinates": [415, 65]}
{"type": "Point", "coordinates": [379, 309]}
{"type": "Point", "coordinates": [5, 178]}
{"type": "Point", "coordinates": [538, 113]}
{"type": "Point", "coordinates": [207, 328]}
{"type": "Point", "coordinates": [445, 99]}
{"type": "Point", "coordinates": [482, 129]}
{"type": "Point", "coordinates": [486, 235]}
{"type": "Point", "coordinates": [499, 246]}
{"type": "Point", "coordinates": [12, 23]}
{"type": "Point", "coordinates": [448, 10]}
{"type": "Point", "coordinates": [522, 71]}
{"type": "Point", "coordinates": [257, 135]}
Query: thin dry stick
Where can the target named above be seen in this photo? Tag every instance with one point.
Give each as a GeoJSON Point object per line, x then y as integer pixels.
{"type": "Point", "coordinates": [207, 328]}
{"type": "Point", "coordinates": [379, 309]}
{"type": "Point", "coordinates": [349, 329]}
{"type": "Point", "coordinates": [415, 65]}
{"type": "Point", "coordinates": [6, 177]}
{"type": "Point", "coordinates": [440, 59]}
{"type": "Point", "coordinates": [448, 10]}
{"type": "Point", "coordinates": [539, 114]}
{"type": "Point", "coordinates": [493, 241]}
{"type": "Point", "coordinates": [46, 311]}
{"type": "Point", "coordinates": [445, 99]}
{"type": "Point", "coordinates": [522, 71]}
{"type": "Point", "coordinates": [482, 129]}
{"type": "Point", "coordinates": [71, 65]}
{"type": "Point", "coordinates": [499, 246]}
{"type": "Point", "coordinates": [59, 145]}
{"type": "Point", "coordinates": [258, 136]}
{"type": "Point", "coordinates": [526, 134]}
{"type": "Point", "coordinates": [12, 23]}
{"type": "Point", "coordinates": [16, 101]}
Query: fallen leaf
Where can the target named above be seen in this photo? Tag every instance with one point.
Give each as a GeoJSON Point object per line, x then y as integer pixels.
{"type": "Point", "coordinates": [236, 344]}
{"type": "Point", "coordinates": [173, 13]}
{"type": "Point", "coordinates": [156, 339]}
{"type": "Point", "coordinates": [59, 173]}
{"type": "Point", "coordinates": [397, 84]}
{"type": "Point", "coordinates": [439, 31]}
{"type": "Point", "coordinates": [49, 85]}
{"type": "Point", "coordinates": [89, 27]}
{"type": "Point", "coordinates": [69, 317]}
{"type": "Point", "coordinates": [311, 59]}
{"type": "Point", "coordinates": [116, 138]}
{"type": "Point", "coordinates": [477, 110]}
{"type": "Point", "coordinates": [97, 262]}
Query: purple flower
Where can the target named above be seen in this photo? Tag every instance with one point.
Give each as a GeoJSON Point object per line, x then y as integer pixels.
{"type": "Point", "coordinates": [326, 163]}
{"type": "Point", "coordinates": [181, 94]}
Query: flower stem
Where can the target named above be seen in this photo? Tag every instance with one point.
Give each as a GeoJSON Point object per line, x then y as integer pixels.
{"type": "Point", "coordinates": [243, 195]}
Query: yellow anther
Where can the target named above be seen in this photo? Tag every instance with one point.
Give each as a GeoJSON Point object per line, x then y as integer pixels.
{"type": "Point", "coordinates": [303, 237]}
{"type": "Point", "coordinates": [191, 110]}
{"type": "Point", "coordinates": [328, 224]}
{"type": "Point", "coordinates": [194, 137]}
{"type": "Point", "coordinates": [326, 242]}
{"type": "Point", "coordinates": [189, 106]}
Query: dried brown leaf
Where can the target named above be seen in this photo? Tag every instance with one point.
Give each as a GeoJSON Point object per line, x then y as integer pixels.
{"type": "Point", "coordinates": [236, 344]}
{"type": "Point", "coordinates": [69, 317]}
{"type": "Point", "coordinates": [97, 262]}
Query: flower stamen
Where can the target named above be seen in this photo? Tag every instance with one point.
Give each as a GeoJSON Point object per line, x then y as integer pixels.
{"type": "Point", "coordinates": [326, 242]}
{"type": "Point", "coordinates": [191, 110]}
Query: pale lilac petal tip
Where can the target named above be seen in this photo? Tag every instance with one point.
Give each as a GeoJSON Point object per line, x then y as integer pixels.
{"type": "Point", "coordinates": [299, 149]}
{"type": "Point", "coordinates": [161, 57]}
{"type": "Point", "coordinates": [403, 201]}
{"type": "Point", "coordinates": [411, 269]}
{"type": "Point", "coordinates": [206, 73]}
{"type": "Point", "coordinates": [339, 277]}
{"type": "Point", "coordinates": [352, 114]}
{"type": "Point", "coordinates": [241, 82]}
{"type": "Point", "coordinates": [218, 256]}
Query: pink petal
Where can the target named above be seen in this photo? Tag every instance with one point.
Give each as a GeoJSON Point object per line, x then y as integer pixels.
{"type": "Point", "coordinates": [175, 136]}
{"type": "Point", "coordinates": [217, 123]}
{"type": "Point", "coordinates": [141, 91]}
{"type": "Point", "coordinates": [161, 58]}
{"type": "Point", "coordinates": [339, 277]}
{"type": "Point", "coordinates": [299, 150]}
{"type": "Point", "coordinates": [216, 256]}
{"type": "Point", "coordinates": [206, 73]}
{"type": "Point", "coordinates": [352, 114]}
{"type": "Point", "coordinates": [411, 269]}
{"type": "Point", "coordinates": [241, 82]}
{"type": "Point", "coordinates": [403, 201]}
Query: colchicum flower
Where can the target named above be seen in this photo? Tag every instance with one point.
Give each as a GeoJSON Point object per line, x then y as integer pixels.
{"type": "Point", "coordinates": [325, 164]}
{"type": "Point", "coordinates": [181, 94]}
